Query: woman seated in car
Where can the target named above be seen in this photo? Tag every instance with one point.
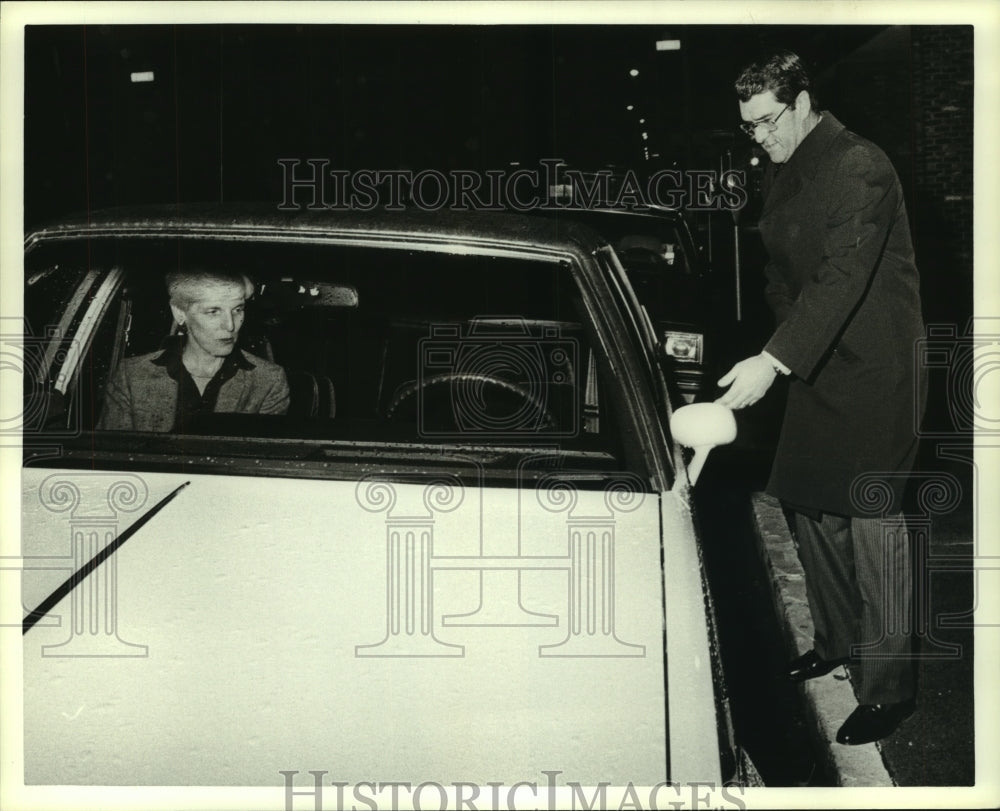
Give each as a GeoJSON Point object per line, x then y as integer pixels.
{"type": "Point", "coordinates": [201, 370]}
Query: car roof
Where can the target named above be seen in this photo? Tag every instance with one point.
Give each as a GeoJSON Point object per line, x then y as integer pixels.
{"type": "Point", "coordinates": [647, 210]}
{"type": "Point", "coordinates": [263, 220]}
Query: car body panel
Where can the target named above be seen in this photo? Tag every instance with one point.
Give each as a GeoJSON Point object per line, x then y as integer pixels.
{"type": "Point", "coordinates": [262, 609]}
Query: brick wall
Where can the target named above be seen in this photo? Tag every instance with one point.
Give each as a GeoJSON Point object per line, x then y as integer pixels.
{"type": "Point", "coordinates": [942, 92]}
{"type": "Point", "coordinates": [910, 90]}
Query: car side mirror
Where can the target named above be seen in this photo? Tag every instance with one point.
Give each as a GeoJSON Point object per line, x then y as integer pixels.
{"type": "Point", "coordinates": [702, 426]}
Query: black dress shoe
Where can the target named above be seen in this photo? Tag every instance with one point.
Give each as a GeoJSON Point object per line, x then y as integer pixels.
{"type": "Point", "coordinates": [872, 722]}
{"type": "Point", "coordinates": [810, 665]}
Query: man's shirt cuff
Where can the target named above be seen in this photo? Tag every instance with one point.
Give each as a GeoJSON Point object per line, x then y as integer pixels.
{"type": "Point", "coordinates": [779, 367]}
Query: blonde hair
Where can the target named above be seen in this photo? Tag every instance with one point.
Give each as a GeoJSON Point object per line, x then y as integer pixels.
{"type": "Point", "coordinates": [180, 282]}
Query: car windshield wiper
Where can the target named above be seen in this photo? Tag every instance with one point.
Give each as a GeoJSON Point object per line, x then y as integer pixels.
{"type": "Point", "coordinates": [80, 574]}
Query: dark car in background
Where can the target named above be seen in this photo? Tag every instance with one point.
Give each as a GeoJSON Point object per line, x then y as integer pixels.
{"type": "Point", "coordinates": [465, 553]}
{"type": "Point", "coordinates": [655, 246]}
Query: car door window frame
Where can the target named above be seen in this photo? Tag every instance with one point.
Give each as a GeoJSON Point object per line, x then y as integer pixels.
{"type": "Point", "coordinates": [636, 457]}
{"type": "Point", "coordinates": [86, 329]}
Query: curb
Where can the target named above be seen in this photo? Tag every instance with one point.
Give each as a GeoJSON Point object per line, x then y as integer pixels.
{"type": "Point", "coordinates": [830, 699]}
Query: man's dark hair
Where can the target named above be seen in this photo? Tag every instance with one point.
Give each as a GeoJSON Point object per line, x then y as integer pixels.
{"type": "Point", "coordinates": [781, 72]}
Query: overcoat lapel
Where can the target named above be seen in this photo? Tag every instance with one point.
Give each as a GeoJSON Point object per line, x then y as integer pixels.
{"type": "Point", "coordinates": [786, 182]}
{"type": "Point", "coordinates": [784, 186]}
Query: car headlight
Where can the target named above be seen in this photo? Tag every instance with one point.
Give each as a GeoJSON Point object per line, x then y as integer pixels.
{"type": "Point", "coordinates": [684, 346]}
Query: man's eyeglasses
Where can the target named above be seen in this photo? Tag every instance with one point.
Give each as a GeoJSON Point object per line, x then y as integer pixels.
{"type": "Point", "coordinates": [750, 127]}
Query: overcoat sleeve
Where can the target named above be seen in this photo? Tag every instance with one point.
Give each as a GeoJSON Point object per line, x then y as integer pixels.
{"type": "Point", "coordinates": [863, 201]}
{"type": "Point", "coordinates": [777, 293]}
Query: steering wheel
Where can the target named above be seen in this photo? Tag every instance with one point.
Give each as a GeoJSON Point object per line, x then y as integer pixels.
{"type": "Point", "coordinates": [477, 388]}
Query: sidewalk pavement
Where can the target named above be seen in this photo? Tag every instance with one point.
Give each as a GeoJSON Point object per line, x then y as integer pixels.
{"type": "Point", "coordinates": [936, 745]}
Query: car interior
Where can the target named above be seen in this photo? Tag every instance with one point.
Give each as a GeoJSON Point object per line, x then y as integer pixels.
{"type": "Point", "coordinates": [377, 344]}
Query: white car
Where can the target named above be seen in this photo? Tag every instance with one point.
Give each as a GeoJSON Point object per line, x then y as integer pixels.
{"type": "Point", "coordinates": [464, 554]}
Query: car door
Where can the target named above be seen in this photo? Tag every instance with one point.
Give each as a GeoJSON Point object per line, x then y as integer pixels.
{"type": "Point", "coordinates": [456, 579]}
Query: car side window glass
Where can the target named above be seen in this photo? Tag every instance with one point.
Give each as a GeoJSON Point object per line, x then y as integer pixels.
{"type": "Point", "coordinates": [59, 287]}
{"type": "Point", "coordinates": [409, 347]}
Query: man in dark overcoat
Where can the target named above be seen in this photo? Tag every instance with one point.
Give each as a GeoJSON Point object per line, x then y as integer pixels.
{"type": "Point", "coordinates": [844, 289]}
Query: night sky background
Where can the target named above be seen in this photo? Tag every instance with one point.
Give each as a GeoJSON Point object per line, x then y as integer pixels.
{"type": "Point", "coordinates": [229, 100]}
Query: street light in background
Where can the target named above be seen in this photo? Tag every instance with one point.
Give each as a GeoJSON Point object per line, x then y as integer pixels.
{"type": "Point", "coordinates": [672, 81]}
{"type": "Point", "coordinates": [631, 108]}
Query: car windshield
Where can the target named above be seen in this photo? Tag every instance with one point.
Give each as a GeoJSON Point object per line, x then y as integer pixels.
{"type": "Point", "coordinates": [382, 347]}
